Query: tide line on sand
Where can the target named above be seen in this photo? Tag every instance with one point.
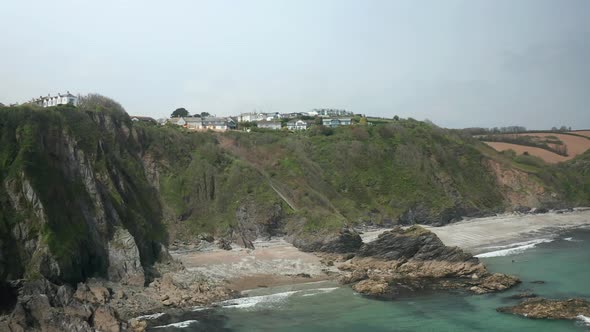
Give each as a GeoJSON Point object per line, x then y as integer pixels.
{"type": "Point", "coordinates": [514, 248]}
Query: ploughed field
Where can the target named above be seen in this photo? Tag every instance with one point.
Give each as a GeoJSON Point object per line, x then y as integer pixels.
{"type": "Point", "coordinates": [574, 143]}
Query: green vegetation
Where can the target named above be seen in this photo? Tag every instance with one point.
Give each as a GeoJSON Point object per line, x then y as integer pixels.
{"type": "Point", "coordinates": [69, 176]}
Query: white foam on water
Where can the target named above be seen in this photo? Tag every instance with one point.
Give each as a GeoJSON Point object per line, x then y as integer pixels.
{"type": "Point", "coordinates": [514, 248]}
{"type": "Point", "coordinates": [317, 291]}
{"type": "Point", "coordinates": [181, 325]}
{"type": "Point", "coordinates": [585, 320]}
{"type": "Point", "coordinates": [568, 238]}
{"type": "Point", "coordinates": [250, 302]}
{"type": "Point", "coordinates": [154, 316]}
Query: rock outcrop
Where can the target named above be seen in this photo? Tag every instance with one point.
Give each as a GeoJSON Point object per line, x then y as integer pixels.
{"type": "Point", "coordinates": [44, 306]}
{"type": "Point", "coordinates": [346, 240]}
{"type": "Point", "coordinates": [540, 308]}
{"type": "Point", "coordinates": [415, 259]}
{"type": "Point", "coordinates": [124, 261]}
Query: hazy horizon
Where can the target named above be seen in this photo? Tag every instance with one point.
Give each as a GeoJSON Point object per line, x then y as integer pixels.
{"type": "Point", "coordinates": [456, 63]}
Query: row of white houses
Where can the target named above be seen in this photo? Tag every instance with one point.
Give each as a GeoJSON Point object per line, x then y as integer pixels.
{"type": "Point", "coordinates": [60, 99]}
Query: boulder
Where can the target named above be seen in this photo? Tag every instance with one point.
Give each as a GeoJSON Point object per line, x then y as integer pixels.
{"type": "Point", "coordinates": [549, 309]}
{"type": "Point", "coordinates": [494, 283]}
{"type": "Point", "coordinates": [371, 287]}
{"type": "Point", "coordinates": [346, 240]}
{"type": "Point", "coordinates": [105, 319]}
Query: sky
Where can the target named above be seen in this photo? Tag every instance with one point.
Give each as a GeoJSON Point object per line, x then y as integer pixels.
{"type": "Point", "coordinates": [458, 63]}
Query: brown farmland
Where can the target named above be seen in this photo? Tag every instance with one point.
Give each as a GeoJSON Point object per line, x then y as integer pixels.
{"type": "Point", "coordinates": [575, 145]}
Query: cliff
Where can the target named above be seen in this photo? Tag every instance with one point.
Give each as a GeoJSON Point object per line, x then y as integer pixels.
{"type": "Point", "coordinates": [85, 192]}
{"type": "Point", "coordinates": [74, 198]}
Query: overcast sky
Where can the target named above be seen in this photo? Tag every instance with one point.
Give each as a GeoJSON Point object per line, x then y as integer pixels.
{"type": "Point", "coordinates": [458, 63]}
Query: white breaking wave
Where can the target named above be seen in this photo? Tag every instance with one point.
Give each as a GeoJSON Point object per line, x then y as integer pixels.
{"type": "Point", "coordinates": [183, 324]}
{"type": "Point", "coordinates": [585, 320]}
{"type": "Point", "coordinates": [514, 248]}
{"type": "Point", "coordinates": [272, 299]}
{"type": "Point", "coordinates": [320, 291]}
{"type": "Point", "coordinates": [568, 238]}
{"type": "Point", "coordinates": [154, 316]}
{"type": "Point", "coordinates": [249, 302]}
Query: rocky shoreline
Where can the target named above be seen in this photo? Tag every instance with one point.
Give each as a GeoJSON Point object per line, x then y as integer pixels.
{"type": "Point", "coordinates": [399, 262]}
{"type": "Point", "coordinates": [541, 308]}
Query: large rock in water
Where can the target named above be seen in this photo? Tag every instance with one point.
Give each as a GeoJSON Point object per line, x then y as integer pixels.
{"type": "Point", "coordinates": [416, 259]}
{"type": "Point", "coordinates": [550, 309]}
{"type": "Point", "coordinates": [124, 261]}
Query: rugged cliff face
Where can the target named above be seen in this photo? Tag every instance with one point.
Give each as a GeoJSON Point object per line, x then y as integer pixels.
{"type": "Point", "coordinates": [74, 197]}
{"type": "Point", "coordinates": [86, 192]}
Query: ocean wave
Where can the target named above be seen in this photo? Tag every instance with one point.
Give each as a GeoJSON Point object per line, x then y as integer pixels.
{"type": "Point", "coordinates": [250, 302]}
{"type": "Point", "coordinates": [514, 248]}
{"type": "Point", "coordinates": [585, 320]}
{"type": "Point", "coordinates": [317, 291]}
{"type": "Point", "coordinates": [154, 316]}
{"type": "Point", "coordinates": [181, 325]}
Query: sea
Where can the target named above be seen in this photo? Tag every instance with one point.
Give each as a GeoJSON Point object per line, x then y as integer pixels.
{"type": "Point", "coordinates": [552, 267]}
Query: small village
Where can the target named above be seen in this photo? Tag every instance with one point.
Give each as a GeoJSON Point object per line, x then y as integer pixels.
{"type": "Point", "coordinates": [295, 121]}
{"type": "Point", "coordinates": [271, 121]}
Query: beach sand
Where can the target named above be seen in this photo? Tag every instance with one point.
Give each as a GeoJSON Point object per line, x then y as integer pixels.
{"type": "Point", "coordinates": [273, 263]}
{"type": "Point", "coordinates": [479, 235]}
{"type": "Point", "coordinates": [276, 262]}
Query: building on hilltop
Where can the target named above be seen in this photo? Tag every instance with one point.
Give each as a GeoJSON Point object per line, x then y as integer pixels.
{"type": "Point", "coordinates": [274, 125]}
{"type": "Point", "coordinates": [60, 99]}
{"type": "Point", "coordinates": [336, 122]}
{"type": "Point", "coordinates": [257, 116]}
{"type": "Point", "coordinates": [137, 118]}
{"type": "Point", "coordinates": [298, 125]}
{"type": "Point", "coordinates": [193, 123]}
{"type": "Point", "coordinates": [218, 124]}
{"type": "Point", "coordinates": [330, 112]}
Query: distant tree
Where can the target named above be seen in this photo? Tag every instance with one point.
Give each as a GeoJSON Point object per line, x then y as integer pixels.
{"type": "Point", "coordinates": [396, 118]}
{"type": "Point", "coordinates": [563, 128]}
{"type": "Point", "coordinates": [553, 128]}
{"type": "Point", "coordinates": [1, 105]}
{"type": "Point", "coordinates": [205, 114]}
{"type": "Point", "coordinates": [179, 112]}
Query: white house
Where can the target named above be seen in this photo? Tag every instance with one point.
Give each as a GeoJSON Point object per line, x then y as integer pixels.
{"type": "Point", "coordinates": [335, 122]}
{"type": "Point", "coordinates": [297, 125]}
{"type": "Point", "coordinates": [60, 99]}
{"type": "Point", "coordinates": [274, 125]}
{"type": "Point", "coordinates": [252, 116]}
{"type": "Point", "coordinates": [194, 123]}
{"type": "Point", "coordinates": [177, 121]}
{"type": "Point", "coordinates": [331, 112]}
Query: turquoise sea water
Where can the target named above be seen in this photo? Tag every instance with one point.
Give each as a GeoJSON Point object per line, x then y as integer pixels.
{"type": "Point", "coordinates": [564, 266]}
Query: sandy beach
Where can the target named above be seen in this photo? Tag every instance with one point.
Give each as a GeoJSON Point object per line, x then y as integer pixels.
{"type": "Point", "coordinates": [276, 262]}
{"type": "Point", "coordinates": [487, 234]}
